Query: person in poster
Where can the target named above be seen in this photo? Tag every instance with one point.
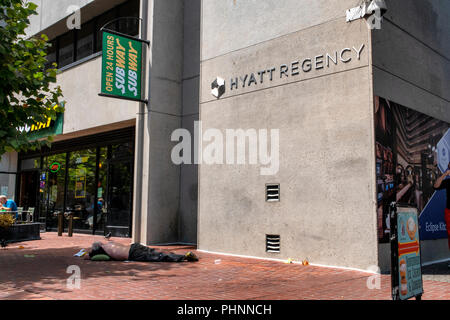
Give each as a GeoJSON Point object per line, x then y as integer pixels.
{"type": "Point", "coordinates": [412, 151]}
{"type": "Point", "coordinates": [441, 184]}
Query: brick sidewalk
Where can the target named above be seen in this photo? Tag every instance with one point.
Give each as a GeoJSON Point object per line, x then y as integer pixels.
{"type": "Point", "coordinates": [42, 275]}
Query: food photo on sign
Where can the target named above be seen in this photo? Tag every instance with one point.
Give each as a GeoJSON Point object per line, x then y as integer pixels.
{"type": "Point", "coordinates": [409, 262]}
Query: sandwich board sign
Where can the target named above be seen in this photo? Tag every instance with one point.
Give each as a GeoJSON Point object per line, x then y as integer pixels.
{"type": "Point", "coordinates": [406, 266]}
{"type": "Point", "coordinates": [121, 66]}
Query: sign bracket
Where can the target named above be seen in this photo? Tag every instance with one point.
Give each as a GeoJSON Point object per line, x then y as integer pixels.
{"type": "Point", "coordinates": [123, 67]}
{"type": "Point", "coordinates": [120, 33]}
{"type": "Point", "coordinates": [117, 33]}
{"type": "Point", "coordinates": [122, 98]}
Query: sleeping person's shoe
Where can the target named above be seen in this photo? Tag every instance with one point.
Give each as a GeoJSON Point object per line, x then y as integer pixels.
{"type": "Point", "coordinates": [190, 256]}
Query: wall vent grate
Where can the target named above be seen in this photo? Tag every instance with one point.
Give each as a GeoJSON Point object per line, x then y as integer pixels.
{"type": "Point", "coordinates": [272, 192]}
{"type": "Point", "coordinates": [272, 243]}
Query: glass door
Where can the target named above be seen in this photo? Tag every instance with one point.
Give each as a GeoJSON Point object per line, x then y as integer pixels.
{"type": "Point", "coordinates": [119, 194]}
{"type": "Point", "coordinates": [28, 189]}
{"type": "Point", "coordinates": [51, 189]}
{"type": "Point", "coordinates": [81, 189]}
{"type": "Point", "coordinates": [102, 189]}
{"type": "Point", "coordinates": [29, 185]}
{"type": "Point", "coordinates": [119, 199]}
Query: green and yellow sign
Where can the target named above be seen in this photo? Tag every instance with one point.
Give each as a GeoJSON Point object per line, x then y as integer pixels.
{"type": "Point", "coordinates": [45, 129]}
{"type": "Point", "coordinates": [121, 67]}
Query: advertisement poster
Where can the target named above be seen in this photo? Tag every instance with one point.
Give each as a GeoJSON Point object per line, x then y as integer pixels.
{"type": "Point", "coordinates": [42, 180]}
{"type": "Point", "coordinates": [54, 193]}
{"type": "Point", "coordinates": [409, 264]}
{"type": "Point", "coordinates": [411, 153]}
{"type": "Point", "coordinates": [80, 183]}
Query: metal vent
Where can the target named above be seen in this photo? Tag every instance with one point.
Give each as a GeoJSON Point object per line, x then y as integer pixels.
{"type": "Point", "coordinates": [272, 243]}
{"type": "Point", "coordinates": [272, 192]}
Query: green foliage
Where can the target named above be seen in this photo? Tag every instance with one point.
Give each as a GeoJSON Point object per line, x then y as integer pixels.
{"type": "Point", "coordinates": [28, 91]}
{"type": "Point", "coordinates": [6, 220]}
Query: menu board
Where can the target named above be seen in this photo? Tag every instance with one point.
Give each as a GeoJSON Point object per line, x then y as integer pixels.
{"type": "Point", "coordinates": [409, 262]}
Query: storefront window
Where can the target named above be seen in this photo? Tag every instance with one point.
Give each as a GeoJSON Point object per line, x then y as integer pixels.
{"type": "Point", "coordinates": [94, 184]}
{"type": "Point", "coordinates": [81, 188]}
{"type": "Point", "coordinates": [29, 183]}
{"type": "Point", "coordinates": [119, 190]}
{"type": "Point", "coordinates": [121, 151]}
{"type": "Point", "coordinates": [51, 189]}
{"type": "Point", "coordinates": [29, 164]}
{"type": "Point", "coordinates": [102, 189]}
{"type": "Point", "coordinates": [6, 181]}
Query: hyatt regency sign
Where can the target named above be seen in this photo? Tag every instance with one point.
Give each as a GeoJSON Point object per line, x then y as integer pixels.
{"type": "Point", "coordinates": [291, 69]}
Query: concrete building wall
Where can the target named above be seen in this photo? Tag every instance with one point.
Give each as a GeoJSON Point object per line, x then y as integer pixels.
{"type": "Point", "coordinates": [169, 202]}
{"type": "Point", "coordinates": [85, 109]}
{"type": "Point", "coordinates": [169, 206]}
{"type": "Point", "coordinates": [411, 55]}
{"type": "Point", "coordinates": [235, 24]}
{"type": "Point", "coordinates": [161, 185]}
{"type": "Point", "coordinates": [191, 88]}
{"type": "Point", "coordinates": [411, 66]}
{"type": "Point", "coordinates": [52, 15]}
{"type": "Point", "coordinates": [50, 12]}
{"type": "Point", "coordinates": [325, 121]}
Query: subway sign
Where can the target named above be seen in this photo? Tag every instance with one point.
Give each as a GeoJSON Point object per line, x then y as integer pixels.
{"type": "Point", "coordinates": [45, 129]}
{"type": "Point", "coordinates": [121, 66]}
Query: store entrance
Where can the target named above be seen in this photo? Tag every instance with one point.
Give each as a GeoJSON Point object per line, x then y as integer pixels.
{"type": "Point", "coordinates": [29, 185]}
{"type": "Point", "coordinates": [119, 198]}
{"type": "Point", "coordinates": [94, 183]}
{"type": "Point", "coordinates": [29, 189]}
{"type": "Point", "coordinates": [52, 190]}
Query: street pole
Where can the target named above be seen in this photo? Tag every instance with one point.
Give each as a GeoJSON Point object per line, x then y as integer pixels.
{"type": "Point", "coordinates": [140, 121]}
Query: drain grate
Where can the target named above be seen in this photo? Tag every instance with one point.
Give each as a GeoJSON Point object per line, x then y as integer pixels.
{"type": "Point", "coordinates": [272, 243]}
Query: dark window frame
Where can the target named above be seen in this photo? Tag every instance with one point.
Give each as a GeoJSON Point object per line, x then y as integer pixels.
{"type": "Point", "coordinates": [91, 34]}
{"type": "Point", "coordinates": [97, 47]}
{"type": "Point", "coordinates": [71, 33]}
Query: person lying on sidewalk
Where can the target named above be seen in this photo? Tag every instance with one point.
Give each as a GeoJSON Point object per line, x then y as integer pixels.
{"type": "Point", "coordinates": [136, 252]}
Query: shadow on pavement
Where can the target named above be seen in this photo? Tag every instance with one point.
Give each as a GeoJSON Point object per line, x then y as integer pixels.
{"type": "Point", "coordinates": [437, 272]}
{"type": "Point", "coordinates": [33, 271]}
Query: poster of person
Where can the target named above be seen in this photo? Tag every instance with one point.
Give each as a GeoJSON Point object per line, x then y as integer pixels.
{"type": "Point", "coordinates": [411, 154]}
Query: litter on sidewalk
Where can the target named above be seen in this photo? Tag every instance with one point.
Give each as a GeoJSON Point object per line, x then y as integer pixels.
{"type": "Point", "coordinates": [81, 253]}
{"type": "Point", "coordinates": [289, 261]}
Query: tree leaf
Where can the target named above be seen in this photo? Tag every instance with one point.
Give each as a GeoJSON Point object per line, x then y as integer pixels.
{"type": "Point", "coordinates": [27, 90]}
